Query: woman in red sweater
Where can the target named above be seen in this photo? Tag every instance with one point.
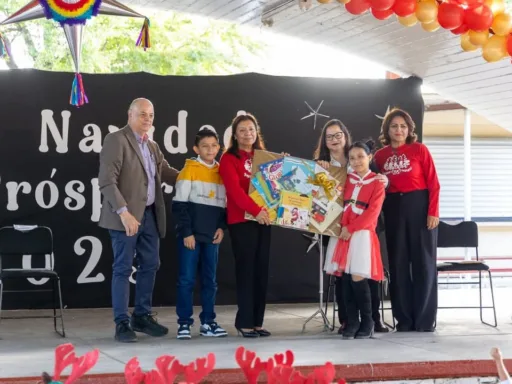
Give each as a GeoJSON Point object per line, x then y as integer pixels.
{"type": "Point", "coordinates": [250, 240]}
{"type": "Point", "coordinates": [411, 213]}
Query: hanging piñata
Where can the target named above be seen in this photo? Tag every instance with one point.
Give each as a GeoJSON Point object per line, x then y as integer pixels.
{"type": "Point", "coordinates": [72, 16]}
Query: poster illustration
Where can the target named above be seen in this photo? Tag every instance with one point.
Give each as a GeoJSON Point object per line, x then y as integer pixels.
{"type": "Point", "coordinates": [298, 193]}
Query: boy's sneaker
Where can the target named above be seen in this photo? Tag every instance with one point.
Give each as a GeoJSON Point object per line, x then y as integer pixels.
{"type": "Point", "coordinates": [212, 330]}
{"type": "Point", "coordinates": [184, 332]}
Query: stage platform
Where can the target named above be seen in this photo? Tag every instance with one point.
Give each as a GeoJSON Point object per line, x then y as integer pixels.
{"type": "Point", "coordinates": [459, 347]}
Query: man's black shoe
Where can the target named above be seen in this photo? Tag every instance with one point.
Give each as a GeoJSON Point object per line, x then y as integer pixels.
{"type": "Point", "coordinates": [124, 332]}
{"type": "Point", "coordinates": [147, 324]}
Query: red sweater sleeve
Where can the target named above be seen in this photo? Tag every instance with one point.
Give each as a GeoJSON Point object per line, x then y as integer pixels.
{"type": "Point", "coordinates": [368, 219]}
{"type": "Point", "coordinates": [235, 193]}
{"type": "Point", "coordinates": [430, 173]}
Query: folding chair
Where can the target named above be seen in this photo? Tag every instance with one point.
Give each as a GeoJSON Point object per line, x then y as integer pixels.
{"type": "Point", "coordinates": [331, 288]}
{"type": "Point", "coordinates": [382, 294]}
{"type": "Point", "coordinates": [464, 235]}
{"type": "Point", "coordinates": [37, 241]}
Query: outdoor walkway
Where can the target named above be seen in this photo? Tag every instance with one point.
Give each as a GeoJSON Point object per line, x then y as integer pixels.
{"type": "Point", "coordinates": [26, 346]}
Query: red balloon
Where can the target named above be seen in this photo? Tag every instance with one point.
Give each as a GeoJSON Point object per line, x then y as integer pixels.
{"type": "Point", "coordinates": [382, 15]}
{"type": "Point", "coordinates": [478, 18]}
{"type": "Point", "coordinates": [381, 5]}
{"type": "Point", "coordinates": [357, 7]}
{"type": "Point", "coordinates": [460, 30]}
{"type": "Point", "coordinates": [450, 16]}
{"type": "Point", "coordinates": [509, 45]}
{"type": "Point", "coordinates": [469, 3]}
{"type": "Point", "coordinates": [404, 8]}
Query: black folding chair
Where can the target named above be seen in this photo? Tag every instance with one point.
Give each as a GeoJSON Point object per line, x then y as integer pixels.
{"type": "Point", "coordinates": [464, 235]}
{"type": "Point", "coordinates": [37, 241]}
{"type": "Point", "coordinates": [331, 288]}
{"type": "Point", "coordinates": [382, 295]}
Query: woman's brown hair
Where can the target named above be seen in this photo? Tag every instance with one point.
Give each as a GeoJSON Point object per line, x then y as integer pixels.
{"type": "Point", "coordinates": [233, 143]}
{"type": "Point", "coordinates": [321, 151]}
{"type": "Point", "coordinates": [386, 123]}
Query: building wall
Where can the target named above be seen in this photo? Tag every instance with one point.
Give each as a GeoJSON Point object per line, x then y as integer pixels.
{"type": "Point", "coordinates": [491, 192]}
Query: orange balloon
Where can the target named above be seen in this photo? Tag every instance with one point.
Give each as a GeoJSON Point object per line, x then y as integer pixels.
{"type": "Point", "coordinates": [502, 24]}
{"type": "Point", "coordinates": [408, 21]}
{"type": "Point", "coordinates": [478, 38]}
{"type": "Point", "coordinates": [343, 1]}
{"type": "Point", "coordinates": [495, 49]}
{"type": "Point", "coordinates": [431, 27]}
{"type": "Point", "coordinates": [426, 11]}
{"type": "Point", "coordinates": [497, 6]}
{"type": "Point", "coordinates": [465, 43]}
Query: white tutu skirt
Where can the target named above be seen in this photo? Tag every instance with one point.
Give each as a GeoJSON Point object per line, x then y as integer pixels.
{"type": "Point", "coordinates": [330, 267]}
{"type": "Point", "coordinates": [360, 255]}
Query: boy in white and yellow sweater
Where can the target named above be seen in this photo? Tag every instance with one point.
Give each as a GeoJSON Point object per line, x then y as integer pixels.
{"type": "Point", "coordinates": [199, 210]}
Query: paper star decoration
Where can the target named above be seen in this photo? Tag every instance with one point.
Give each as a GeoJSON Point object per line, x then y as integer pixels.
{"type": "Point", "coordinates": [72, 16]}
{"type": "Point", "coordinates": [314, 113]}
{"type": "Point", "coordinates": [315, 242]}
{"type": "Point", "coordinates": [382, 117]}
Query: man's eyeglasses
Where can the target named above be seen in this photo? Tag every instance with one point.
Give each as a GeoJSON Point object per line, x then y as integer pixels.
{"type": "Point", "coordinates": [337, 136]}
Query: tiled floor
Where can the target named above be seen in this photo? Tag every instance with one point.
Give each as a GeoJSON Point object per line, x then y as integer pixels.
{"type": "Point", "coordinates": [26, 346]}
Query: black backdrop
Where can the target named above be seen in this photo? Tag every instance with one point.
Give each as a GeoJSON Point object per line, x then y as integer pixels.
{"type": "Point", "coordinates": [32, 102]}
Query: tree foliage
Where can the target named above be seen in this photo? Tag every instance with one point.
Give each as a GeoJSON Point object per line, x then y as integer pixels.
{"type": "Point", "coordinates": [181, 44]}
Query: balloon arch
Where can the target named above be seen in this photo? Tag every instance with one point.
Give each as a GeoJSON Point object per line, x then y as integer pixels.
{"type": "Point", "coordinates": [481, 24]}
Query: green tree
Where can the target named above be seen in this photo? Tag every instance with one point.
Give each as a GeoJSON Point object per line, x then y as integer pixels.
{"type": "Point", "coordinates": [180, 44]}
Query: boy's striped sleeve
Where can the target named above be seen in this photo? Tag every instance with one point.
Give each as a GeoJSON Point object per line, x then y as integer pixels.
{"type": "Point", "coordinates": [180, 204]}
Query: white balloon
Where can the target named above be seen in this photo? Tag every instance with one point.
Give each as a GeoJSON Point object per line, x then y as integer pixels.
{"type": "Point", "coordinates": [229, 130]}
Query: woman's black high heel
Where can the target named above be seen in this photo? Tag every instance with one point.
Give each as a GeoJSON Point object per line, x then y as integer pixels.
{"type": "Point", "coordinates": [250, 334]}
{"type": "Point", "coordinates": [263, 332]}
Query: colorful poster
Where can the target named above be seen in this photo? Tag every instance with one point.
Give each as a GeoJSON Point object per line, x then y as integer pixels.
{"type": "Point", "coordinates": [298, 193]}
{"type": "Point", "coordinates": [296, 173]}
{"type": "Point", "coordinates": [262, 188]}
{"type": "Point", "coordinates": [271, 173]}
{"type": "Point", "coordinates": [293, 210]}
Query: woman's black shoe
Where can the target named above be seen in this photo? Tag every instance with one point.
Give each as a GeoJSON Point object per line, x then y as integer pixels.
{"type": "Point", "coordinates": [380, 328]}
{"type": "Point", "coordinates": [263, 332]}
{"type": "Point", "coordinates": [250, 334]}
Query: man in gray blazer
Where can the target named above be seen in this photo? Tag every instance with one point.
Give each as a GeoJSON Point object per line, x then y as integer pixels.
{"type": "Point", "coordinates": [132, 169]}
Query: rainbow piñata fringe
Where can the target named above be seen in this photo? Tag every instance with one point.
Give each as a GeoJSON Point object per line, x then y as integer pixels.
{"type": "Point", "coordinates": [70, 13]}
{"type": "Point", "coordinates": [78, 96]}
{"type": "Point", "coordinates": [144, 40]}
{"type": "Point", "coordinates": [4, 49]}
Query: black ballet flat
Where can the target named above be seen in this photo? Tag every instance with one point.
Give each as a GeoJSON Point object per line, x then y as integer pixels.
{"type": "Point", "coordinates": [250, 334]}
{"type": "Point", "coordinates": [263, 332]}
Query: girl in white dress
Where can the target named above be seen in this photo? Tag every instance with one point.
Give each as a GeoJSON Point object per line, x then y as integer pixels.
{"type": "Point", "coordinates": [332, 149]}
